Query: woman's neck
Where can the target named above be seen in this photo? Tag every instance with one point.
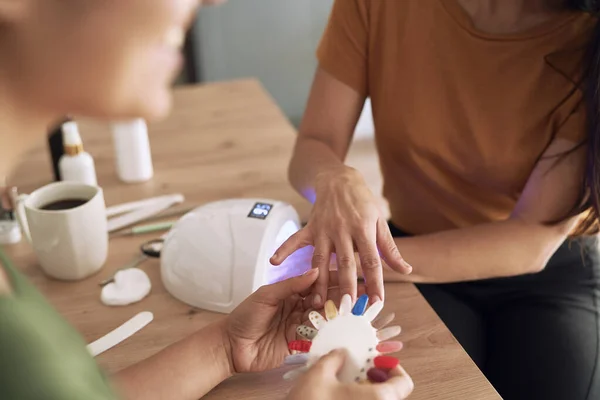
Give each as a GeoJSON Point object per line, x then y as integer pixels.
{"type": "Point", "coordinates": [510, 16]}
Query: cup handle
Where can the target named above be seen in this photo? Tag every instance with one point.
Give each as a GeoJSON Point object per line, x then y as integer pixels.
{"type": "Point", "coordinates": [22, 217]}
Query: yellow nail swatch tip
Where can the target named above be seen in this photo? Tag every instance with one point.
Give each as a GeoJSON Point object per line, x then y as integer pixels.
{"type": "Point", "coordinates": [330, 310]}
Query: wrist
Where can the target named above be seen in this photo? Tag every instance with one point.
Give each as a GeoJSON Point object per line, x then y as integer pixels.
{"type": "Point", "coordinates": [337, 175]}
{"type": "Point", "coordinates": [221, 358]}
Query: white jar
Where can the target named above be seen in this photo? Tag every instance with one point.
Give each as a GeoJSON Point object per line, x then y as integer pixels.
{"type": "Point", "coordinates": [76, 165]}
{"type": "Point", "coordinates": [132, 151]}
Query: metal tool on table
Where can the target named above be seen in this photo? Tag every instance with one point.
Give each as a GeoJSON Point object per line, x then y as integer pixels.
{"type": "Point", "coordinates": [149, 249]}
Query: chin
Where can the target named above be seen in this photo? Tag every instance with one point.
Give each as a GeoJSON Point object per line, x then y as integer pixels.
{"type": "Point", "coordinates": [158, 106]}
{"type": "Point", "coordinates": [151, 108]}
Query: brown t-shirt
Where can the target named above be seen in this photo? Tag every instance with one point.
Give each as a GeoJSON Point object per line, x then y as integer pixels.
{"type": "Point", "coordinates": [461, 117]}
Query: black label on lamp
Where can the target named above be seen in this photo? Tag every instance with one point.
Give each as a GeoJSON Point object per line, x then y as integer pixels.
{"type": "Point", "coordinates": [260, 210]}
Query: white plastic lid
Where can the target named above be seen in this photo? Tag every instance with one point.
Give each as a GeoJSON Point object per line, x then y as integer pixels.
{"type": "Point", "coordinates": [134, 125]}
{"type": "Point", "coordinates": [71, 135]}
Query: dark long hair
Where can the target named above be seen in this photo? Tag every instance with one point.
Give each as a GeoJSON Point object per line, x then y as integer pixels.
{"type": "Point", "coordinates": [590, 198]}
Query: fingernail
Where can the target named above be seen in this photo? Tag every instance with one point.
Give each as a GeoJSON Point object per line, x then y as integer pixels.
{"type": "Point", "coordinates": [382, 322]}
{"type": "Point", "coordinates": [373, 311]}
{"type": "Point", "coordinates": [306, 332]}
{"type": "Point", "coordinates": [330, 310]}
{"type": "Point", "coordinates": [386, 362]}
{"type": "Point", "coordinates": [388, 333]}
{"type": "Point", "coordinates": [361, 305]}
{"type": "Point", "coordinates": [389, 347]}
{"type": "Point", "coordinates": [310, 272]}
{"type": "Point", "coordinates": [296, 359]}
{"type": "Point", "coordinates": [345, 304]}
{"type": "Point", "coordinates": [316, 319]}
{"type": "Point", "coordinates": [299, 345]}
{"type": "Point", "coordinates": [377, 375]}
{"type": "Point", "coordinates": [408, 267]}
{"type": "Point", "coordinates": [317, 300]}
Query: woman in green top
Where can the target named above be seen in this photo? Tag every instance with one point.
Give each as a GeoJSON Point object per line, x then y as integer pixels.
{"type": "Point", "coordinates": [116, 59]}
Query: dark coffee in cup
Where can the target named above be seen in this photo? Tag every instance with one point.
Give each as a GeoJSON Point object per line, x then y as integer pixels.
{"type": "Point", "coordinates": [65, 204]}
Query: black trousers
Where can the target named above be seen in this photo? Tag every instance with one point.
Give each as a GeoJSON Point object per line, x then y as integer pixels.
{"type": "Point", "coordinates": [534, 336]}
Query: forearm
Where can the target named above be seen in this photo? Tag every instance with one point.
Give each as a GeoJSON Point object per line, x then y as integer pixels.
{"type": "Point", "coordinates": [312, 157]}
{"type": "Point", "coordinates": [186, 370]}
{"type": "Point", "coordinates": [499, 249]}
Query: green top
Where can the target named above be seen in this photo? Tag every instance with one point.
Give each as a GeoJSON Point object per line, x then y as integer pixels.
{"type": "Point", "coordinates": [41, 356]}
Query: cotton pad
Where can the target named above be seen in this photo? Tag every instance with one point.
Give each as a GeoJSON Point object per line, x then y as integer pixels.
{"type": "Point", "coordinates": [129, 286]}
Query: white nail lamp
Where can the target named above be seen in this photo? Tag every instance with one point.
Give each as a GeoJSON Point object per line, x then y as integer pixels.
{"type": "Point", "coordinates": [218, 254]}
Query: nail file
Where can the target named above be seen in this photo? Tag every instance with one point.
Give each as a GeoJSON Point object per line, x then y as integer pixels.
{"type": "Point", "coordinates": [120, 334]}
{"type": "Point", "coordinates": [127, 207]}
{"type": "Point", "coordinates": [144, 210]}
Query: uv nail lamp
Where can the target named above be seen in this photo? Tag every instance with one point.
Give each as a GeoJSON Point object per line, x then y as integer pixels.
{"type": "Point", "coordinates": [218, 254]}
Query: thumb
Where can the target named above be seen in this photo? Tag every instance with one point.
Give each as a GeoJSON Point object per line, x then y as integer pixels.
{"type": "Point", "coordinates": [329, 365]}
{"type": "Point", "coordinates": [280, 291]}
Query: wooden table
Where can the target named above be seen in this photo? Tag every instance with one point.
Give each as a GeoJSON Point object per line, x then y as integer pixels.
{"type": "Point", "coordinates": [226, 140]}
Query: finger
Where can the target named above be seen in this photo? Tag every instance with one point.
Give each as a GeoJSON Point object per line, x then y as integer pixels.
{"type": "Point", "coordinates": [329, 365]}
{"type": "Point", "coordinates": [389, 250]}
{"type": "Point", "coordinates": [334, 279]}
{"type": "Point", "coordinates": [298, 240]}
{"type": "Point", "coordinates": [277, 292]}
{"type": "Point", "coordinates": [346, 266]}
{"type": "Point", "coordinates": [308, 302]}
{"type": "Point", "coordinates": [372, 269]}
{"type": "Point", "coordinates": [307, 292]}
{"type": "Point", "coordinates": [320, 261]}
{"type": "Point", "coordinates": [399, 386]}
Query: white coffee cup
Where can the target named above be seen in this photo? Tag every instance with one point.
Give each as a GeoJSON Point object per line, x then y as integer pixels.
{"type": "Point", "coordinates": [70, 243]}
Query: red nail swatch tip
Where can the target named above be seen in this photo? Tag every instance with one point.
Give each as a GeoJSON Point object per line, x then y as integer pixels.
{"type": "Point", "coordinates": [386, 362]}
{"type": "Point", "coordinates": [299, 345]}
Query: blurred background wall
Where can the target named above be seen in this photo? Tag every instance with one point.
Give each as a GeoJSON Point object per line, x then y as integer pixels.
{"type": "Point", "coordinates": [272, 40]}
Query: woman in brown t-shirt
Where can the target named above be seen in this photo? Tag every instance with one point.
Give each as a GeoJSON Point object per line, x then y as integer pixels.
{"type": "Point", "coordinates": [488, 168]}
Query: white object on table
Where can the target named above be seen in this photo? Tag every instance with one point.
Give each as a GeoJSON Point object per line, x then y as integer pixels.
{"type": "Point", "coordinates": [120, 334]}
{"type": "Point", "coordinates": [218, 254]}
{"type": "Point", "coordinates": [132, 150]}
{"type": "Point", "coordinates": [70, 244]}
{"type": "Point", "coordinates": [128, 286]}
{"type": "Point", "coordinates": [76, 165]}
{"type": "Point", "coordinates": [137, 211]}
{"type": "Point", "coordinates": [10, 232]}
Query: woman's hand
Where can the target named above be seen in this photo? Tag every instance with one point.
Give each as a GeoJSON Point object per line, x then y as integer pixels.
{"type": "Point", "coordinates": [320, 382]}
{"type": "Point", "coordinates": [260, 328]}
{"type": "Point", "coordinates": [346, 218]}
